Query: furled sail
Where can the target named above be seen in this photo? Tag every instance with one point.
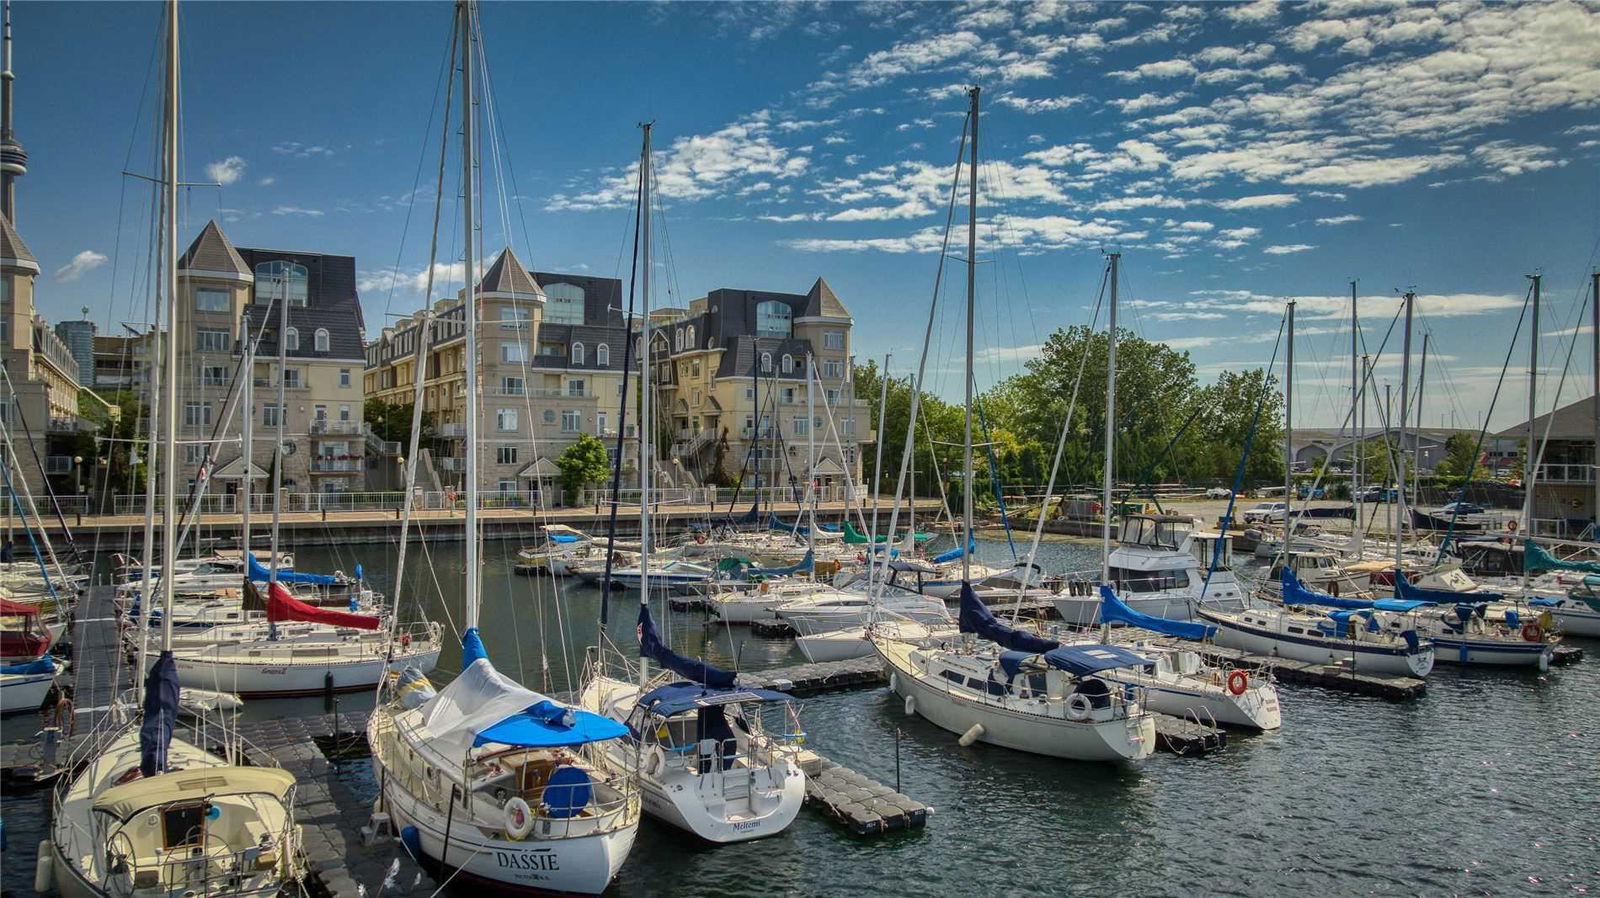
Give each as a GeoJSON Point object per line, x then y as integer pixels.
{"type": "Point", "coordinates": [1114, 611]}
{"type": "Point", "coordinates": [160, 713]}
{"type": "Point", "coordinates": [976, 618]}
{"type": "Point", "coordinates": [260, 574]}
{"type": "Point", "coordinates": [1535, 559]}
{"type": "Point", "coordinates": [651, 646]}
{"type": "Point", "coordinates": [281, 607]}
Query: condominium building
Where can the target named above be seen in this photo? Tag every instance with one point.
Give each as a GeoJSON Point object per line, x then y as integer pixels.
{"type": "Point", "coordinates": [79, 337]}
{"type": "Point", "coordinates": [227, 294]}
{"type": "Point", "coordinates": [732, 372]}
{"type": "Point", "coordinates": [550, 367]}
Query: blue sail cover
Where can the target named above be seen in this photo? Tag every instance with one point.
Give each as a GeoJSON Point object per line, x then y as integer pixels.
{"type": "Point", "coordinates": [42, 665]}
{"type": "Point", "coordinates": [957, 552]}
{"type": "Point", "coordinates": [1404, 590]}
{"type": "Point", "coordinates": [805, 564]}
{"type": "Point", "coordinates": [261, 575]}
{"type": "Point", "coordinates": [549, 725]}
{"type": "Point", "coordinates": [1082, 660]}
{"type": "Point", "coordinates": [472, 647]}
{"type": "Point", "coordinates": [753, 515]}
{"type": "Point", "coordinates": [651, 646]}
{"type": "Point", "coordinates": [676, 698]}
{"type": "Point", "coordinates": [976, 618]}
{"type": "Point", "coordinates": [160, 714]}
{"type": "Point", "coordinates": [1296, 593]}
{"type": "Point", "coordinates": [1114, 611]}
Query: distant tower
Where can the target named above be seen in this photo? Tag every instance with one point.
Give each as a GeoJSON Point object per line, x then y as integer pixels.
{"type": "Point", "coordinates": [13, 158]}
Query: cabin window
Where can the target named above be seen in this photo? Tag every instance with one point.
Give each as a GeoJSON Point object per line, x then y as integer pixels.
{"type": "Point", "coordinates": [952, 676]}
{"type": "Point", "coordinates": [1297, 630]}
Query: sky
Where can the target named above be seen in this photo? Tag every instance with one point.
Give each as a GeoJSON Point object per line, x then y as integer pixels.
{"type": "Point", "coordinates": [1235, 154]}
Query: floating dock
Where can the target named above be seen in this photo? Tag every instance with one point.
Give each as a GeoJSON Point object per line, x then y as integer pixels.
{"type": "Point", "coordinates": [1188, 738]}
{"type": "Point", "coordinates": [857, 802]}
{"type": "Point", "coordinates": [828, 676]}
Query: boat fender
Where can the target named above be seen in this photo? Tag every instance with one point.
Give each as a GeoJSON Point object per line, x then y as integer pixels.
{"type": "Point", "coordinates": [411, 838]}
{"type": "Point", "coordinates": [973, 734]}
{"type": "Point", "coordinates": [1532, 632]}
{"type": "Point", "coordinates": [911, 705]}
{"type": "Point", "coordinates": [44, 873]}
{"type": "Point", "coordinates": [652, 763]}
{"type": "Point", "coordinates": [1079, 707]}
{"type": "Point", "coordinates": [519, 819]}
{"type": "Point", "coordinates": [1238, 682]}
{"type": "Point", "coordinates": [894, 682]}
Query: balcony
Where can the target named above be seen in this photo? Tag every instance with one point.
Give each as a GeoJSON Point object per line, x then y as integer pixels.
{"type": "Point", "coordinates": [71, 424]}
{"type": "Point", "coordinates": [1566, 473]}
{"type": "Point", "coordinates": [345, 428]}
{"type": "Point", "coordinates": [452, 465]}
{"type": "Point", "coordinates": [452, 431]}
{"type": "Point", "coordinates": [335, 465]}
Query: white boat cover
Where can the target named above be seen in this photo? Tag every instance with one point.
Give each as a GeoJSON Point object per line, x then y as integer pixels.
{"type": "Point", "coordinates": [473, 702]}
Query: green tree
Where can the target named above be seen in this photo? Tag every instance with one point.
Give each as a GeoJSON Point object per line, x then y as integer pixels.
{"type": "Point", "coordinates": [1460, 455]}
{"type": "Point", "coordinates": [584, 463]}
{"type": "Point", "coordinates": [392, 421]}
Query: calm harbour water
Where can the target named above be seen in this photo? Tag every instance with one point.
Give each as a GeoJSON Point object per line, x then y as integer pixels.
{"type": "Point", "coordinates": [1484, 786]}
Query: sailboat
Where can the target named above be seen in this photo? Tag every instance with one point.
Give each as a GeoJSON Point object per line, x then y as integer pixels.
{"type": "Point", "coordinates": [150, 813]}
{"type": "Point", "coordinates": [1012, 688]}
{"type": "Point", "coordinates": [510, 786]}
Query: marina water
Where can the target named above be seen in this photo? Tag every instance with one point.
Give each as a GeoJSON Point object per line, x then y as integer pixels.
{"type": "Point", "coordinates": [1484, 786]}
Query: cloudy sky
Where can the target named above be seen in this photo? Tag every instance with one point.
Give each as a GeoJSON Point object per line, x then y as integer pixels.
{"type": "Point", "coordinates": [1236, 154]}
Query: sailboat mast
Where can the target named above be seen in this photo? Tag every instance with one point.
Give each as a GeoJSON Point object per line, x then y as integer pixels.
{"type": "Point", "coordinates": [1109, 469]}
{"type": "Point", "coordinates": [1594, 345]}
{"type": "Point", "coordinates": [283, 412]}
{"type": "Point", "coordinates": [877, 469]}
{"type": "Point", "coordinates": [1288, 431]}
{"type": "Point", "coordinates": [1355, 417]}
{"type": "Point", "coordinates": [647, 390]}
{"type": "Point", "coordinates": [1530, 462]}
{"type": "Point", "coordinates": [811, 453]}
{"type": "Point", "coordinates": [1400, 452]}
{"type": "Point", "coordinates": [972, 285]}
{"type": "Point", "coordinates": [469, 232]}
{"type": "Point", "coordinates": [1416, 452]}
{"type": "Point", "coordinates": [169, 253]}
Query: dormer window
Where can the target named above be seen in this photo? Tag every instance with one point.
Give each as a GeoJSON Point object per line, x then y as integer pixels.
{"type": "Point", "coordinates": [272, 278]}
{"type": "Point", "coordinates": [766, 362]}
{"type": "Point", "coordinates": [688, 337]}
{"type": "Point", "coordinates": [774, 319]}
{"type": "Point", "coordinates": [602, 355]}
{"type": "Point", "coordinates": [320, 340]}
{"type": "Point", "coordinates": [291, 340]}
{"type": "Point", "coordinates": [788, 363]}
{"type": "Point", "coordinates": [577, 353]}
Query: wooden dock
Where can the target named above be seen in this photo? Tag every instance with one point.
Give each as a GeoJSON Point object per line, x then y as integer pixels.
{"type": "Point", "coordinates": [855, 801]}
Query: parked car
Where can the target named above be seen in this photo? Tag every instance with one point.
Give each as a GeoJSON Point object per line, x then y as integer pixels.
{"type": "Point", "coordinates": [1380, 494]}
{"type": "Point", "coordinates": [1267, 513]}
{"type": "Point", "coordinates": [1460, 508]}
{"type": "Point", "coordinates": [1306, 492]}
{"type": "Point", "coordinates": [1218, 492]}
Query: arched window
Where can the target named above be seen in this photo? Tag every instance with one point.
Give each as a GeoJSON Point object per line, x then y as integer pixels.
{"type": "Point", "coordinates": [688, 338]}
{"type": "Point", "coordinates": [319, 340]}
{"type": "Point", "coordinates": [291, 340]}
{"type": "Point", "coordinates": [602, 355]}
{"type": "Point", "coordinates": [577, 353]}
{"type": "Point", "coordinates": [773, 319]}
{"type": "Point", "coordinates": [766, 362]}
{"type": "Point", "coordinates": [271, 278]}
{"type": "Point", "coordinates": [787, 363]}
{"type": "Point", "coordinates": [677, 340]}
{"type": "Point", "coordinates": [563, 304]}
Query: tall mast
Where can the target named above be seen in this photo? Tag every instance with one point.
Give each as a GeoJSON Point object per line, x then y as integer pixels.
{"type": "Point", "coordinates": [811, 454]}
{"type": "Point", "coordinates": [646, 390]}
{"type": "Point", "coordinates": [469, 231]}
{"type": "Point", "coordinates": [877, 469]}
{"type": "Point", "coordinates": [972, 286]}
{"type": "Point", "coordinates": [1400, 453]}
{"type": "Point", "coordinates": [1416, 452]}
{"type": "Point", "coordinates": [1109, 469]}
{"type": "Point", "coordinates": [1356, 420]}
{"type": "Point", "coordinates": [247, 432]}
{"type": "Point", "coordinates": [284, 271]}
{"type": "Point", "coordinates": [1288, 431]}
{"type": "Point", "coordinates": [169, 260]}
{"type": "Point", "coordinates": [1594, 345]}
{"type": "Point", "coordinates": [1530, 464]}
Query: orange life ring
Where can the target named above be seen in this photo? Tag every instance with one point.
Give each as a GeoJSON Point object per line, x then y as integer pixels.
{"type": "Point", "coordinates": [1532, 632]}
{"type": "Point", "coordinates": [405, 640]}
{"type": "Point", "coordinates": [1238, 682]}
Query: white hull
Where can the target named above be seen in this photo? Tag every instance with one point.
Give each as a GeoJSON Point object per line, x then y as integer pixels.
{"type": "Point", "coordinates": [1377, 659]}
{"type": "Point", "coordinates": [1493, 653]}
{"type": "Point", "coordinates": [23, 692]}
{"type": "Point", "coordinates": [282, 678]}
{"type": "Point", "coordinates": [1255, 709]}
{"type": "Point", "coordinates": [840, 645]}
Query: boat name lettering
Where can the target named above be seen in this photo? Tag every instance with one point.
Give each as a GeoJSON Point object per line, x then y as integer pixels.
{"type": "Point", "coordinates": [540, 859]}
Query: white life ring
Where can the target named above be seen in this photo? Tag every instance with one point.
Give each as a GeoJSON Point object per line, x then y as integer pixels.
{"type": "Point", "coordinates": [519, 819]}
{"type": "Point", "coordinates": [1079, 707]}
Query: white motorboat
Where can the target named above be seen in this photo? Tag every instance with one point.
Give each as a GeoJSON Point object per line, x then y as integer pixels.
{"type": "Point", "coordinates": [23, 687]}
{"type": "Point", "coordinates": [1160, 567]}
{"type": "Point", "coordinates": [837, 609]}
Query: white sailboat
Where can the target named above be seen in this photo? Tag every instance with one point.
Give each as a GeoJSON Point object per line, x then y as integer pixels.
{"type": "Point", "coordinates": [148, 813]}
{"type": "Point", "coordinates": [509, 786]}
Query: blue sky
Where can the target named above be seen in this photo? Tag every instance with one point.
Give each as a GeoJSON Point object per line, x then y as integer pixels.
{"type": "Point", "coordinates": [1237, 154]}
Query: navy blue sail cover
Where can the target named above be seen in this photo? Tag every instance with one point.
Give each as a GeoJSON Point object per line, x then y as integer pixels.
{"type": "Point", "coordinates": [1296, 593]}
{"type": "Point", "coordinates": [160, 714]}
{"type": "Point", "coordinates": [976, 618]}
{"type": "Point", "coordinates": [676, 698]}
{"type": "Point", "coordinates": [957, 552]}
{"type": "Point", "coordinates": [1114, 611]}
{"type": "Point", "coordinates": [260, 574]}
{"type": "Point", "coordinates": [1082, 660]}
{"type": "Point", "coordinates": [651, 646]}
{"type": "Point", "coordinates": [1404, 590]}
{"type": "Point", "coordinates": [805, 564]}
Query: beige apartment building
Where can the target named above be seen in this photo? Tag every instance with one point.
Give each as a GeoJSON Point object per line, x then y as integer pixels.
{"type": "Point", "coordinates": [227, 293]}
{"type": "Point", "coordinates": [550, 347]}
{"type": "Point", "coordinates": [732, 373]}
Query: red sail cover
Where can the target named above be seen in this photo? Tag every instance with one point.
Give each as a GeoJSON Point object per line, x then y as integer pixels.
{"type": "Point", "coordinates": [281, 607]}
{"type": "Point", "coordinates": [9, 608]}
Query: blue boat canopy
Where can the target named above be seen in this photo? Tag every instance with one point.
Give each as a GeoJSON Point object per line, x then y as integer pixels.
{"type": "Point", "coordinates": [260, 574]}
{"type": "Point", "coordinates": [1083, 660]}
{"type": "Point", "coordinates": [1401, 606]}
{"type": "Point", "coordinates": [651, 646]}
{"type": "Point", "coordinates": [676, 698]}
{"type": "Point", "coordinates": [1541, 602]}
{"type": "Point", "coordinates": [1114, 611]}
{"type": "Point", "coordinates": [546, 724]}
{"type": "Point", "coordinates": [805, 564]}
{"type": "Point", "coordinates": [976, 618]}
{"type": "Point", "coordinates": [42, 665]}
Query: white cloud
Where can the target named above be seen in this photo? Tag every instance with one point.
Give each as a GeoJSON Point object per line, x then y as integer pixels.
{"type": "Point", "coordinates": [1508, 158]}
{"type": "Point", "coordinates": [911, 56]}
{"type": "Point", "coordinates": [1021, 233]}
{"type": "Point", "coordinates": [300, 150]}
{"type": "Point", "coordinates": [447, 278]}
{"type": "Point", "coordinates": [1339, 220]}
{"type": "Point", "coordinates": [1284, 249]}
{"type": "Point", "coordinates": [297, 210]}
{"type": "Point", "coordinates": [81, 264]}
{"type": "Point", "coordinates": [266, 182]}
{"type": "Point", "coordinates": [1144, 102]}
{"type": "Point", "coordinates": [1251, 13]}
{"type": "Point", "coordinates": [1034, 105]}
{"type": "Point", "coordinates": [1259, 201]}
{"type": "Point", "coordinates": [1166, 68]}
{"type": "Point", "coordinates": [226, 171]}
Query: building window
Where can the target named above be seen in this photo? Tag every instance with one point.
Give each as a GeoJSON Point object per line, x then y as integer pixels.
{"type": "Point", "coordinates": [788, 394]}
{"type": "Point", "coordinates": [513, 386]}
{"type": "Point", "coordinates": [563, 304]}
{"type": "Point", "coordinates": [688, 338]}
{"type": "Point", "coordinates": [194, 453]}
{"type": "Point", "coordinates": [800, 427]}
{"type": "Point", "coordinates": [833, 397]}
{"type": "Point", "coordinates": [213, 375]}
{"type": "Point", "coordinates": [271, 415]}
{"type": "Point", "coordinates": [750, 393]}
{"type": "Point", "coordinates": [602, 356]}
{"type": "Point", "coordinates": [515, 316]}
{"type": "Point", "coordinates": [213, 341]}
{"type": "Point", "coordinates": [766, 362]}
{"type": "Point", "coordinates": [552, 349]}
{"type": "Point", "coordinates": [344, 377]}
{"type": "Point", "coordinates": [505, 419]}
{"type": "Point", "coordinates": [513, 352]}
{"type": "Point", "coordinates": [577, 353]}
{"type": "Point", "coordinates": [319, 340]}
{"type": "Point", "coordinates": [833, 340]}
{"type": "Point", "coordinates": [575, 387]}
{"type": "Point", "coordinates": [773, 319]}
{"type": "Point", "coordinates": [506, 455]}
{"type": "Point", "coordinates": [571, 421]}
{"type": "Point", "coordinates": [291, 378]}
{"type": "Point", "coordinates": [600, 419]}
{"type": "Point", "coordinates": [344, 412]}
{"type": "Point", "coordinates": [787, 363]}
{"type": "Point", "coordinates": [291, 339]}
{"type": "Point", "coordinates": [213, 301]}
{"type": "Point", "coordinates": [833, 368]}
{"type": "Point", "coordinates": [196, 414]}
{"type": "Point", "coordinates": [677, 340]}
{"type": "Point", "coordinates": [549, 416]}
{"type": "Point", "coordinates": [848, 426]}
{"type": "Point", "coordinates": [272, 277]}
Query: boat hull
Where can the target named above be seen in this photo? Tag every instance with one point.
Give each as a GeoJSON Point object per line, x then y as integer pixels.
{"type": "Point", "coordinates": [279, 680]}
{"type": "Point", "coordinates": [23, 692]}
{"type": "Point", "coordinates": [1365, 658]}
{"type": "Point", "coordinates": [1493, 652]}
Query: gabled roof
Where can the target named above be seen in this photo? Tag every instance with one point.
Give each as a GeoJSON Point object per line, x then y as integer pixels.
{"type": "Point", "coordinates": [13, 252]}
{"type": "Point", "coordinates": [508, 276]}
{"type": "Point", "coordinates": [1572, 422]}
{"type": "Point", "coordinates": [821, 302]}
{"type": "Point", "coordinates": [213, 253]}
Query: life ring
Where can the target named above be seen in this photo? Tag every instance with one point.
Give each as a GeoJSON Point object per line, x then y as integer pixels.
{"type": "Point", "coordinates": [764, 587]}
{"type": "Point", "coordinates": [405, 640]}
{"type": "Point", "coordinates": [700, 539]}
{"type": "Point", "coordinates": [519, 819]}
{"type": "Point", "coordinates": [1532, 632]}
{"type": "Point", "coordinates": [1238, 682]}
{"type": "Point", "coordinates": [1079, 707]}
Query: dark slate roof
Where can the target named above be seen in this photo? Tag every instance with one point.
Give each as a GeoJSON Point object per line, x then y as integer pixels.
{"type": "Point", "coordinates": [508, 275]}
{"type": "Point", "coordinates": [821, 302]}
{"type": "Point", "coordinates": [591, 337]}
{"type": "Point", "coordinates": [331, 303]}
{"type": "Point", "coordinates": [744, 353]}
{"type": "Point", "coordinates": [603, 301]}
{"type": "Point", "coordinates": [212, 251]}
{"type": "Point", "coordinates": [11, 245]}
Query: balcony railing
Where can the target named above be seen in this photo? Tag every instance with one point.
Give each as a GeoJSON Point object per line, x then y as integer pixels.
{"type": "Point", "coordinates": [452, 464]}
{"type": "Point", "coordinates": [335, 465]}
{"type": "Point", "coordinates": [323, 425]}
{"type": "Point", "coordinates": [1566, 473]}
{"type": "Point", "coordinates": [70, 425]}
{"type": "Point", "coordinates": [452, 431]}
